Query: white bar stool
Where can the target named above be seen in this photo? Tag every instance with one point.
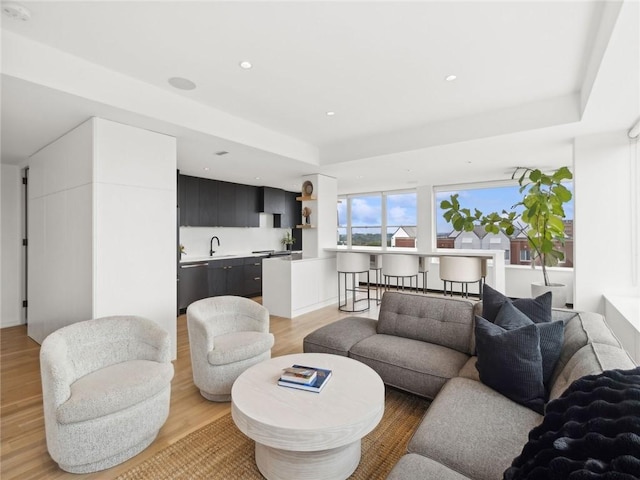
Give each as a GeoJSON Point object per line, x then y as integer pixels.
{"type": "Point", "coordinates": [463, 270]}
{"type": "Point", "coordinates": [399, 266]}
{"type": "Point", "coordinates": [353, 264]}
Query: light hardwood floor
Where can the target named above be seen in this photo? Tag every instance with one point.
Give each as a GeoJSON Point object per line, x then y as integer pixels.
{"type": "Point", "coordinates": [23, 452]}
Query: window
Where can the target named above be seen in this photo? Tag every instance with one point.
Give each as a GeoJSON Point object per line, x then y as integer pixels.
{"type": "Point", "coordinates": [362, 219]}
{"type": "Point", "coordinates": [402, 230]}
{"type": "Point", "coordinates": [366, 220]}
{"type": "Point", "coordinates": [494, 198]}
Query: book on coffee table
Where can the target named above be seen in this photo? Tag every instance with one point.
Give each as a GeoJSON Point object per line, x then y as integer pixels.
{"type": "Point", "coordinates": [302, 375]}
{"type": "Point", "coordinates": [321, 379]}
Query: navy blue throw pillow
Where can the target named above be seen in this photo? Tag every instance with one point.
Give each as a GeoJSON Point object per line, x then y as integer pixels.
{"type": "Point", "coordinates": [509, 361]}
{"type": "Point", "coordinates": [537, 309]}
{"type": "Point", "coordinates": [551, 335]}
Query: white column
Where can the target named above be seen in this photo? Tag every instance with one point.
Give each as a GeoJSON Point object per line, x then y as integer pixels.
{"type": "Point", "coordinates": [426, 220]}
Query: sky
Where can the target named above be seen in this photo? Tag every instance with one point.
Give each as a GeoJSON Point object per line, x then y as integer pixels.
{"type": "Point", "coordinates": [401, 208]}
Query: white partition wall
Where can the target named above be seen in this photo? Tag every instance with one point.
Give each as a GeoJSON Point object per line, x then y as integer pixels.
{"type": "Point", "coordinates": [102, 226]}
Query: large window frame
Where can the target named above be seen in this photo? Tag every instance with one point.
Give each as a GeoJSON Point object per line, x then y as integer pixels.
{"type": "Point", "coordinates": [461, 188]}
{"type": "Point", "coordinates": [346, 228]}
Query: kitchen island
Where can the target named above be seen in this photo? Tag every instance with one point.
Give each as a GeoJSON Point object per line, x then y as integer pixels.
{"type": "Point", "coordinates": [292, 286]}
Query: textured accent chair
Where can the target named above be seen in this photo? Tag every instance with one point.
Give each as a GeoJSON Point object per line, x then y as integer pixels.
{"type": "Point", "coordinates": [106, 388]}
{"type": "Point", "coordinates": [227, 335]}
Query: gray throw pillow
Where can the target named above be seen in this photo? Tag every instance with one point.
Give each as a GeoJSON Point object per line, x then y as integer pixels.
{"type": "Point", "coordinates": [537, 309]}
{"type": "Point", "coordinates": [509, 361]}
{"type": "Point", "coordinates": [551, 335]}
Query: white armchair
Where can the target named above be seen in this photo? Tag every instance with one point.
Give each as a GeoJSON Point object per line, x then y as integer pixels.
{"type": "Point", "coordinates": [106, 388]}
{"type": "Point", "coordinates": [227, 335]}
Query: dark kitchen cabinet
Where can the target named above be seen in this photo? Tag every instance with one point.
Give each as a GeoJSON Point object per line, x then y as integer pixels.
{"type": "Point", "coordinates": [189, 200]}
{"type": "Point", "coordinates": [208, 202]}
{"type": "Point", "coordinates": [227, 205]}
{"type": "Point", "coordinates": [292, 215]}
{"type": "Point", "coordinates": [226, 277]}
{"type": "Point", "coordinates": [192, 283]}
{"type": "Point", "coordinates": [212, 203]}
{"type": "Point", "coordinates": [272, 200]}
{"type": "Point", "coordinates": [246, 207]}
{"type": "Point", "coordinates": [252, 272]}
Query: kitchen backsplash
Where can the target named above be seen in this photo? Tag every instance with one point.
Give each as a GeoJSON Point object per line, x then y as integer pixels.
{"type": "Point", "coordinates": [232, 240]}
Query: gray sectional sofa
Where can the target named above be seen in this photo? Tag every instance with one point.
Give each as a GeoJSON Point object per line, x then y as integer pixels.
{"type": "Point", "coordinates": [426, 345]}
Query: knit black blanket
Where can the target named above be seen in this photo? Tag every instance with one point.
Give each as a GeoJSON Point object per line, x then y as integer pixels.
{"type": "Point", "coordinates": [590, 432]}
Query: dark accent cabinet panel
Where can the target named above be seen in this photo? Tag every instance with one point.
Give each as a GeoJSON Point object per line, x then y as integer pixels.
{"type": "Point", "coordinates": [227, 205]}
{"type": "Point", "coordinates": [189, 200]}
{"type": "Point", "coordinates": [272, 200]}
{"type": "Point", "coordinates": [192, 283]}
{"type": "Point", "coordinates": [246, 207]}
{"type": "Point", "coordinates": [208, 202]}
{"type": "Point", "coordinates": [292, 215]}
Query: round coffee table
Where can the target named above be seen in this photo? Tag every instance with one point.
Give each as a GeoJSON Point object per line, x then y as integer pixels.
{"type": "Point", "coordinates": [306, 435]}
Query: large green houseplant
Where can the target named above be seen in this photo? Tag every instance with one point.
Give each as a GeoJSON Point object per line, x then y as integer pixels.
{"type": "Point", "coordinates": [539, 215]}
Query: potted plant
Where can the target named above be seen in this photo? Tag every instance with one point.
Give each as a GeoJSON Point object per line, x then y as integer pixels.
{"type": "Point", "coordinates": [288, 241]}
{"type": "Point", "coordinates": [539, 216]}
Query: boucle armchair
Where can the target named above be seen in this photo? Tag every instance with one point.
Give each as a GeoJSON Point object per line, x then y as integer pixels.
{"type": "Point", "coordinates": [106, 388]}
{"type": "Point", "coordinates": [227, 335]}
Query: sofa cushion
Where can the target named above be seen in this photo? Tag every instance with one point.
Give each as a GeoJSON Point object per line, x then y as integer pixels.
{"type": "Point", "coordinates": [537, 309]}
{"type": "Point", "coordinates": [237, 346]}
{"type": "Point", "coordinates": [582, 329]}
{"type": "Point", "coordinates": [412, 365]}
{"type": "Point", "coordinates": [510, 362]}
{"type": "Point", "coordinates": [445, 322]}
{"type": "Point", "coordinates": [114, 388]}
{"type": "Point", "coordinates": [338, 337]}
{"type": "Point", "coordinates": [416, 466]}
{"type": "Point", "coordinates": [473, 430]}
{"type": "Point", "coordinates": [591, 359]}
{"type": "Point", "coordinates": [551, 335]}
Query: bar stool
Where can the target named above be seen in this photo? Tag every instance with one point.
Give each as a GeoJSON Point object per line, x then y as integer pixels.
{"type": "Point", "coordinates": [423, 268]}
{"type": "Point", "coordinates": [354, 264]}
{"type": "Point", "coordinates": [375, 264]}
{"type": "Point", "coordinates": [399, 266]}
{"type": "Point", "coordinates": [463, 270]}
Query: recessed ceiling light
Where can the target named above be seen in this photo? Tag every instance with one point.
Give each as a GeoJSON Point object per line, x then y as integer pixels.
{"type": "Point", "coordinates": [246, 65]}
{"type": "Point", "coordinates": [182, 83]}
{"type": "Point", "coordinates": [330, 114]}
{"type": "Point", "coordinates": [450, 78]}
{"type": "Point", "coordinates": [257, 178]}
{"type": "Point", "coordinates": [360, 177]}
{"type": "Point", "coordinates": [16, 11]}
{"type": "Point", "coordinates": [206, 169]}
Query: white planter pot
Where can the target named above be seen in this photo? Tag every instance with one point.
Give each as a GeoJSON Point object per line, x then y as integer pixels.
{"type": "Point", "coordinates": [558, 293]}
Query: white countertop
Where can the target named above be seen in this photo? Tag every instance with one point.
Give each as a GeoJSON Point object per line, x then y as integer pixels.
{"type": "Point", "coordinates": [223, 256]}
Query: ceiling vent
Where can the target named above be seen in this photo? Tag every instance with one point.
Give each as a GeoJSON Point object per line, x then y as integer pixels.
{"type": "Point", "coordinates": [221, 152]}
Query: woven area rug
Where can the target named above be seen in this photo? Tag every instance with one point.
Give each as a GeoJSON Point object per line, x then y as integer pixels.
{"type": "Point", "coordinates": [220, 451]}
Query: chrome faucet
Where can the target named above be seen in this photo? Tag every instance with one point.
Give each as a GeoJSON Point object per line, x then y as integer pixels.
{"type": "Point", "coordinates": [211, 250]}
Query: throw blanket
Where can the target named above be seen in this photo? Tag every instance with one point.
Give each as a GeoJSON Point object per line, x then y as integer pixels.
{"type": "Point", "coordinates": [591, 432]}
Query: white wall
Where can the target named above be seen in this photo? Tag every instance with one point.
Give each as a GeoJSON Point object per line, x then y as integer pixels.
{"type": "Point", "coordinates": [60, 230]}
{"type": "Point", "coordinates": [11, 245]}
{"type": "Point", "coordinates": [605, 248]}
{"type": "Point", "coordinates": [135, 221]}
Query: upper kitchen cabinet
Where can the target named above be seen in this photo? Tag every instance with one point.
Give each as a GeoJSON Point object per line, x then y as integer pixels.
{"type": "Point", "coordinates": [208, 202]}
{"type": "Point", "coordinates": [211, 203]}
{"type": "Point", "coordinates": [247, 203]}
{"type": "Point", "coordinates": [292, 215]}
{"type": "Point", "coordinates": [189, 200]}
{"type": "Point", "coordinates": [272, 200]}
